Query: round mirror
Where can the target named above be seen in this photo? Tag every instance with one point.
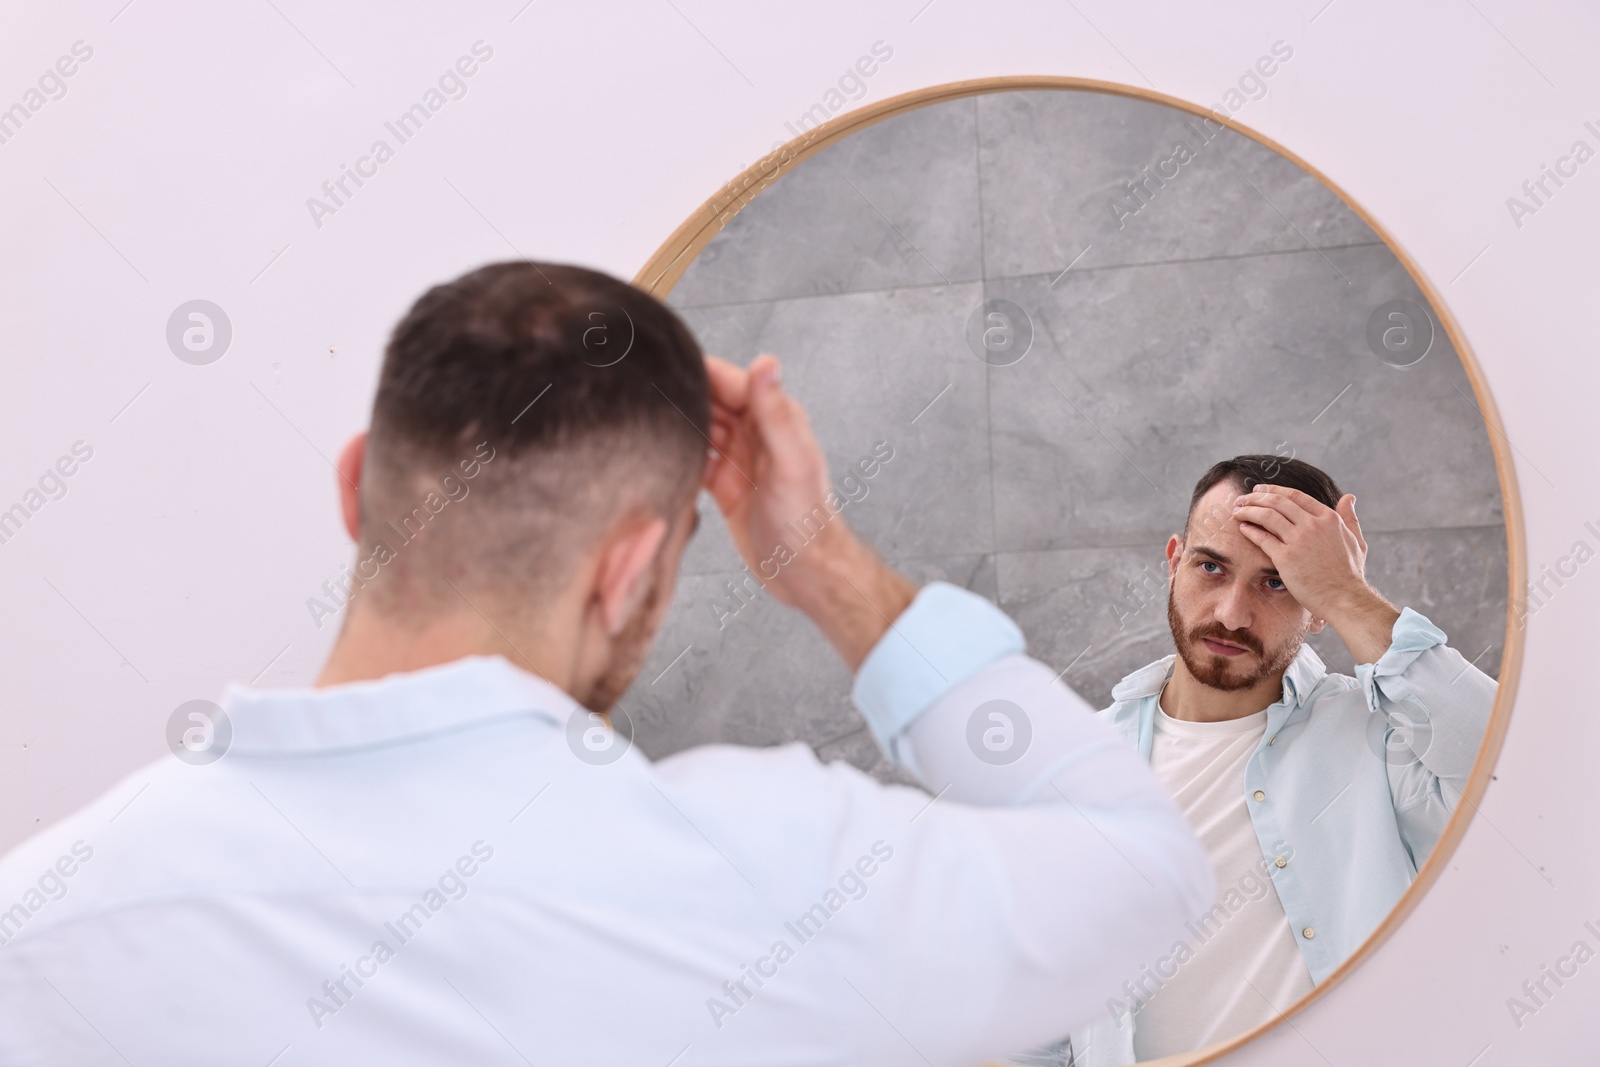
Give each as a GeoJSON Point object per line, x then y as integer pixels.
{"type": "Point", "coordinates": [1027, 318]}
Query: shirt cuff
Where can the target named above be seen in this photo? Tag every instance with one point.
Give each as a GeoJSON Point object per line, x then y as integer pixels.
{"type": "Point", "coordinates": [947, 635]}
{"type": "Point", "coordinates": [1413, 634]}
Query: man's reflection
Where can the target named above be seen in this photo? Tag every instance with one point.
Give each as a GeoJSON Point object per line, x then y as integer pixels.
{"type": "Point", "coordinates": [1317, 795]}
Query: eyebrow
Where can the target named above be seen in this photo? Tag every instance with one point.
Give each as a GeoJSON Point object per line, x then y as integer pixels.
{"type": "Point", "coordinates": [1205, 550]}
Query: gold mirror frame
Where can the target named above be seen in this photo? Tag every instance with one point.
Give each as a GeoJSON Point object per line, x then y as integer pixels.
{"type": "Point", "coordinates": [662, 271]}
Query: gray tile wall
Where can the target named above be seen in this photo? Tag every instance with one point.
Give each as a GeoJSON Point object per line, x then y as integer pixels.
{"type": "Point", "coordinates": [1227, 314]}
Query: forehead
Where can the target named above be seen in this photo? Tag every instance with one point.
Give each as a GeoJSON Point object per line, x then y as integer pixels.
{"type": "Point", "coordinates": [1212, 525]}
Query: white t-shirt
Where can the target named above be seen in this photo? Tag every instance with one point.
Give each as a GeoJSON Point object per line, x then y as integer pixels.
{"type": "Point", "coordinates": [1245, 967]}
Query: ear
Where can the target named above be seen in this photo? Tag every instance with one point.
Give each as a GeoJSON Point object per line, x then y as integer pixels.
{"type": "Point", "coordinates": [1174, 553]}
{"type": "Point", "coordinates": [620, 577]}
{"type": "Point", "coordinates": [350, 461]}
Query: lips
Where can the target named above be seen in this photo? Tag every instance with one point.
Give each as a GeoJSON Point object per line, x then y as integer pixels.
{"type": "Point", "coordinates": [1223, 648]}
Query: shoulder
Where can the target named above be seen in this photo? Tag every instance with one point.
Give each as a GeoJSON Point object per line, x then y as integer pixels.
{"type": "Point", "coordinates": [1144, 682]}
{"type": "Point", "coordinates": [89, 821]}
{"type": "Point", "coordinates": [58, 871]}
{"type": "Point", "coordinates": [1130, 695]}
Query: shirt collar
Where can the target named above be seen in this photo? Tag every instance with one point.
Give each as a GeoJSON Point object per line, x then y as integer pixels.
{"type": "Point", "coordinates": [389, 710]}
{"type": "Point", "coordinates": [1299, 680]}
{"type": "Point", "coordinates": [1303, 675]}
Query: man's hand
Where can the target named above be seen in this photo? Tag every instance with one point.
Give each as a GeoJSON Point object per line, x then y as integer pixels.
{"type": "Point", "coordinates": [770, 480]}
{"type": "Point", "coordinates": [1321, 556]}
{"type": "Point", "coordinates": [766, 470]}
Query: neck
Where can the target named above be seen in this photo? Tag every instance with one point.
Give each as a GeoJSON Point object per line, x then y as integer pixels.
{"type": "Point", "coordinates": [1186, 697]}
{"type": "Point", "coordinates": [372, 645]}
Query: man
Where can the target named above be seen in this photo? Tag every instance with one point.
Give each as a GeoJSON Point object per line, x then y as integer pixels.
{"type": "Point", "coordinates": [1317, 795]}
{"type": "Point", "coordinates": [446, 852]}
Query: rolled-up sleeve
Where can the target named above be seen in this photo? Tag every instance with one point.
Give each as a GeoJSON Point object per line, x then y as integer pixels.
{"type": "Point", "coordinates": [945, 636]}
{"type": "Point", "coordinates": [1437, 706]}
{"type": "Point", "coordinates": [1413, 634]}
{"type": "Point", "coordinates": [1049, 862]}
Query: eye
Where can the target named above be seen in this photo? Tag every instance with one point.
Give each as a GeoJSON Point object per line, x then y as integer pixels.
{"type": "Point", "coordinates": [1276, 585]}
{"type": "Point", "coordinates": [1210, 563]}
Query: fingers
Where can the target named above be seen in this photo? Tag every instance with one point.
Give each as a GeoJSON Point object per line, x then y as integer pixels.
{"type": "Point", "coordinates": [731, 434]}
{"type": "Point", "coordinates": [781, 423]}
{"type": "Point", "coordinates": [1305, 500]}
{"type": "Point", "coordinates": [730, 398]}
{"type": "Point", "coordinates": [1299, 509]}
{"type": "Point", "coordinates": [1265, 540]}
{"type": "Point", "coordinates": [1275, 515]}
{"type": "Point", "coordinates": [729, 389]}
{"type": "Point", "coordinates": [754, 423]}
{"type": "Point", "coordinates": [1271, 520]}
{"type": "Point", "coordinates": [1291, 503]}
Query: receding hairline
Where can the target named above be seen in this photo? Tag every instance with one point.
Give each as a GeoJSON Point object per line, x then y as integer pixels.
{"type": "Point", "coordinates": [1232, 478]}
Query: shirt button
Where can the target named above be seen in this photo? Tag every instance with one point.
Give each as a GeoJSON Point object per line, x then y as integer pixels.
{"type": "Point", "coordinates": [1282, 861]}
{"type": "Point", "coordinates": [1272, 740]}
{"type": "Point", "coordinates": [1260, 795]}
{"type": "Point", "coordinates": [1308, 933]}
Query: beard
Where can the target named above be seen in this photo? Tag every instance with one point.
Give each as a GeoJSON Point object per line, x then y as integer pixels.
{"type": "Point", "coordinates": [1221, 672]}
{"type": "Point", "coordinates": [630, 649]}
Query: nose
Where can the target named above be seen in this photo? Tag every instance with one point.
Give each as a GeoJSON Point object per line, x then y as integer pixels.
{"type": "Point", "coordinates": [1234, 609]}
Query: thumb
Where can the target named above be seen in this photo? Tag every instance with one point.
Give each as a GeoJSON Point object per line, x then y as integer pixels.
{"type": "Point", "coordinates": [1347, 512]}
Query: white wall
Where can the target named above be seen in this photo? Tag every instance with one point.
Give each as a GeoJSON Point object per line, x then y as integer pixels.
{"type": "Point", "coordinates": [178, 164]}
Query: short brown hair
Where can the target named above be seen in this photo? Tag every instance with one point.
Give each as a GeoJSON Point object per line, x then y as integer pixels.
{"type": "Point", "coordinates": [471, 354]}
{"type": "Point", "coordinates": [592, 394]}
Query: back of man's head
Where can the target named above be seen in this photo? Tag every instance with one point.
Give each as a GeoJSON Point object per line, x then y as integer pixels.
{"type": "Point", "coordinates": [590, 399]}
{"type": "Point", "coordinates": [1246, 472]}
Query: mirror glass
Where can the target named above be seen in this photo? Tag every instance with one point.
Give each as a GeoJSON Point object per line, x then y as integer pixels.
{"type": "Point", "coordinates": [1024, 325]}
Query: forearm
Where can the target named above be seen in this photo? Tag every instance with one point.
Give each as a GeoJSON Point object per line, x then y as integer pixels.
{"type": "Point", "coordinates": [851, 595]}
{"type": "Point", "coordinates": [1364, 621]}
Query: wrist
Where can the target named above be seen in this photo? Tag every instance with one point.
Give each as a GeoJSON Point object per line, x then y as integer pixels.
{"type": "Point", "coordinates": [849, 593]}
{"type": "Point", "coordinates": [1357, 602]}
{"type": "Point", "coordinates": [1364, 620]}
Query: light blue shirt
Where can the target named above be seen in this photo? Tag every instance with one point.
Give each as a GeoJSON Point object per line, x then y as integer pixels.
{"type": "Point", "coordinates": [461, 864]}
{"type": "Point", "coordinates": [1357, 777]}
